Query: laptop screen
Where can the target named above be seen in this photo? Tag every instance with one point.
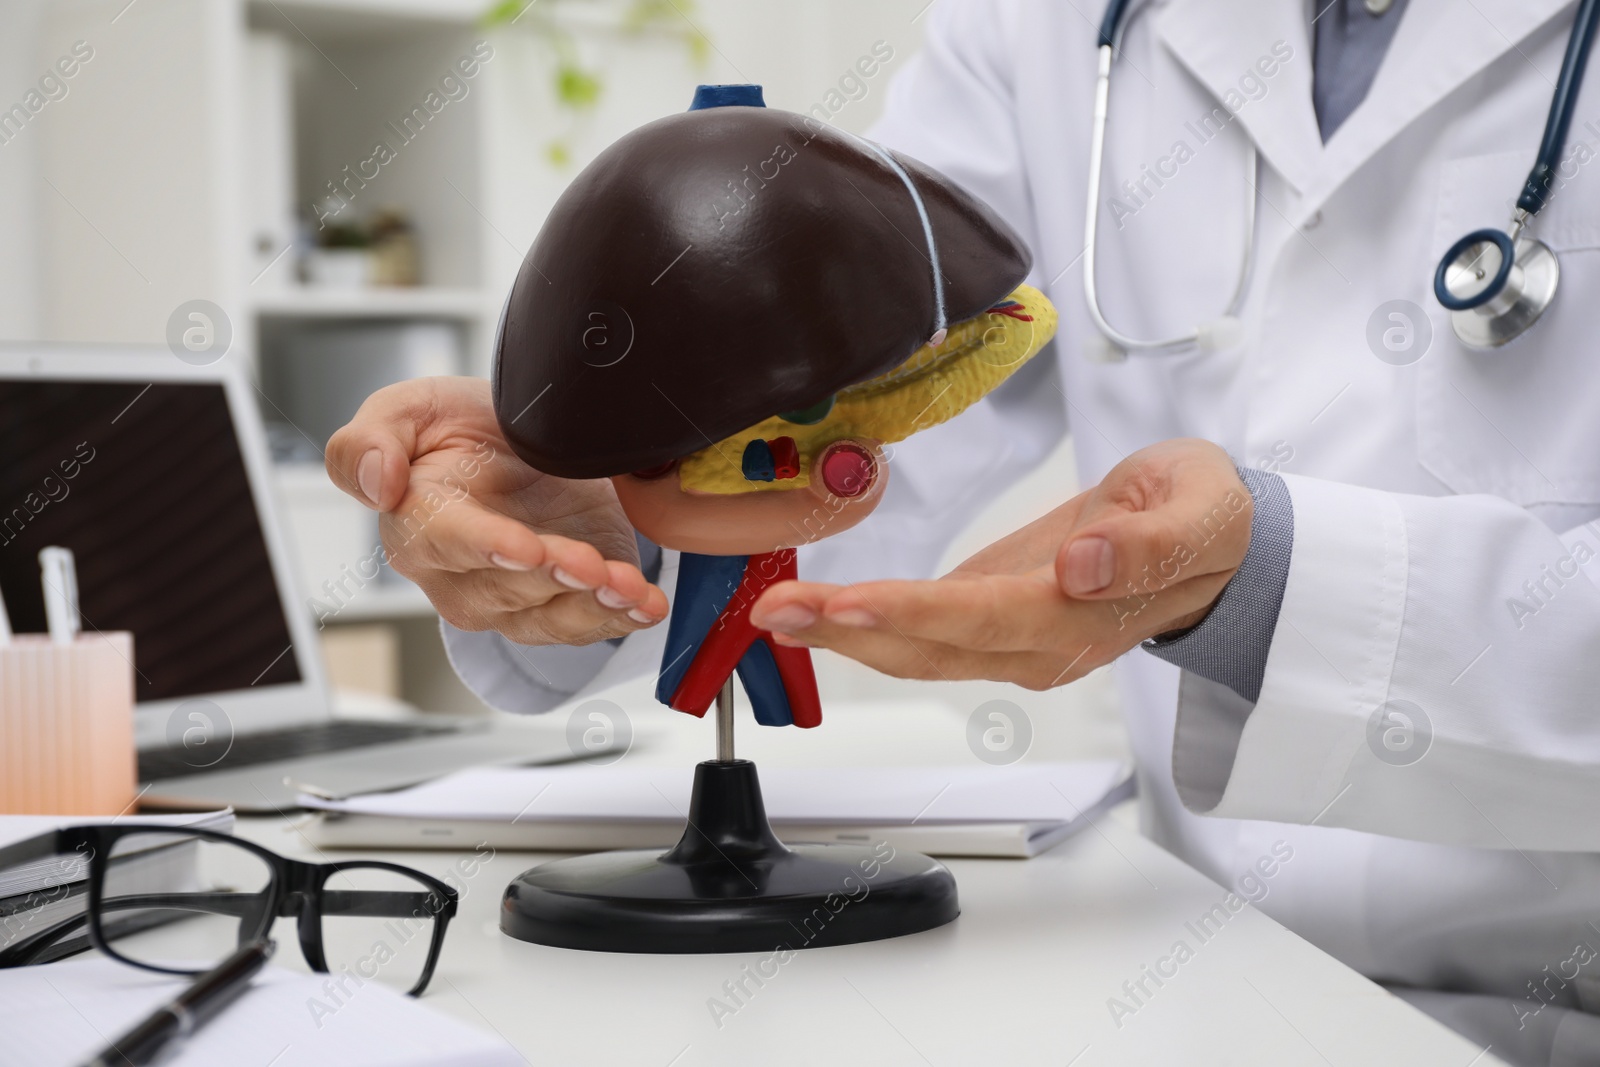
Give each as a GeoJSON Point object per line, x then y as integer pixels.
{"type": "Point", "coordinates": [146, 485]}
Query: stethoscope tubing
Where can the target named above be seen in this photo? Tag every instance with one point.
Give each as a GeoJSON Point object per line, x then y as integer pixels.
{"type": "Point", "coordinates": [1536, 190]}
{"type": "Point", "coordinates": [1091, 224]}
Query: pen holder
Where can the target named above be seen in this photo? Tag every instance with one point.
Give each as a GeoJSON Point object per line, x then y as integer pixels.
{"type": "Point", "coordinates": [66, 725]}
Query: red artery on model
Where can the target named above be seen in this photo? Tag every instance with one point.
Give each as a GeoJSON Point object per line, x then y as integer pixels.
{"type": "Point", "coordinates": [733, 635]}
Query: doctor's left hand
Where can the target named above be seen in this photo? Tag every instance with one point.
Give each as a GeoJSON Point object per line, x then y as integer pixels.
{"type": "Point", "coordinates": [1146, 552]}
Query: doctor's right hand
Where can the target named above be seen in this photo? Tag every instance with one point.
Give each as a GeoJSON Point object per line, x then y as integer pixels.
{"type": "Point", "coordinates": [495, 544]}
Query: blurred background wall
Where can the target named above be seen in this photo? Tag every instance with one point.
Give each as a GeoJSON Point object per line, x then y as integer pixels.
{"type": "Point", "coordinates": [354, 183]}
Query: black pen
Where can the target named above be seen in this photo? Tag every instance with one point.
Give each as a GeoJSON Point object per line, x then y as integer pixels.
{"type": "Point", "coordinates": [209, 994]}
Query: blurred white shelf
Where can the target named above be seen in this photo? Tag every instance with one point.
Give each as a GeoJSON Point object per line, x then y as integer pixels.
{"type": "Point", "coordinates": [349, 17]}
{"type": "Point", "coordinates": [377, 603]}
{"type": "Point", "coordinates": [465, 10]}
{"type": "Point", "coordinates": [333, 15]}
{"type": "Point", "coordinates": [395, 302]}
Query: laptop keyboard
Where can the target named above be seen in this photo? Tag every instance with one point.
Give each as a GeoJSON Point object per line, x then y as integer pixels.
{"type": "Point", "coordinates": [313, 740]}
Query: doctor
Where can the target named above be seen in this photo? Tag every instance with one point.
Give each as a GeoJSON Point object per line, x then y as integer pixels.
{"type": "Point", "coordinates": [1376, 613]}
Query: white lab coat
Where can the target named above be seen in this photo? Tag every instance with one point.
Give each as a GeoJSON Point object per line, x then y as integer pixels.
{"type": "Point", "coordinates": [1425, 495]}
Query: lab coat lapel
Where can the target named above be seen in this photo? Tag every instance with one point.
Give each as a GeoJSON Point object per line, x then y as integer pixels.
{"type": "Point", "coordinates": [1438, 47]}
{"type": "Point", "coordinates": [1221, 41]}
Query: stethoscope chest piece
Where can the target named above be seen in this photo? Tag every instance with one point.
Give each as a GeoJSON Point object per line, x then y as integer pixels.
{"type": "Point", "coordinates": [1496, 288]}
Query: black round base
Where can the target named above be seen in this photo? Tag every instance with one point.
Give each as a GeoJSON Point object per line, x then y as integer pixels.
{"type": "Point", "coordinates": [729, 886]}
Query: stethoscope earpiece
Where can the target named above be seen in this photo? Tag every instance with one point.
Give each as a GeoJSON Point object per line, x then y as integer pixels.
{"type": "Point", "coordinates": [1495, 286]}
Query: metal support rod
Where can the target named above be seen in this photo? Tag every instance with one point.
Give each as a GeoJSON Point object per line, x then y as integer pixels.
{"type": "Point", "coordinates": [725, 722]}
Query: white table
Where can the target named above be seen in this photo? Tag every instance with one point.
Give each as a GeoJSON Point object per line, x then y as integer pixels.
{"type": "Point", "coordinates": [1024, 976]}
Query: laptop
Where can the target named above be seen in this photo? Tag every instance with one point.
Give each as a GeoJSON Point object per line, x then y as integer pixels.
{"type": "Point", "coordinates": [155, 473]}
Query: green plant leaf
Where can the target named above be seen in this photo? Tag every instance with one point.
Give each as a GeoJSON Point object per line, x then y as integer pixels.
{"type": "Point", "coordinates": [576, 87]}
{"type": "Point", "coordinates": [503, 11]}
{"type": "Point", "coordinates": [641, 13]}
{"type": "Point", "coordinates": [558, 153]}
{"type": "Point", "coordinates": [699, 48]}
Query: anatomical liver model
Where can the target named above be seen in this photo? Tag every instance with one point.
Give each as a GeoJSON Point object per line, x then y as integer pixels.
{"type": "Point", "coordinates": [730, 313]}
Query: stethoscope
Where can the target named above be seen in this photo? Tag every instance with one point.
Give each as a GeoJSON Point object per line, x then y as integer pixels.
{"type": "Point", "coordinates": [1494, 283]}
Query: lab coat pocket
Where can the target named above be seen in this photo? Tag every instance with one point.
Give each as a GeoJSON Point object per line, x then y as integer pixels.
{"type": "Point", "coordinates": [1519, 421]}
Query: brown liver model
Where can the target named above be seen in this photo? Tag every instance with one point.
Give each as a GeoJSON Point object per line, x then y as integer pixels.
{"type": "Point", "coordinates": [717, 267]}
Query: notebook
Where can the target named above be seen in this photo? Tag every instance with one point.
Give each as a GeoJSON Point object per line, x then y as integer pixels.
{"type": "Point", "coordinates": [970, 810]}
{"type": "Point", "coordinates": [65, 1012]}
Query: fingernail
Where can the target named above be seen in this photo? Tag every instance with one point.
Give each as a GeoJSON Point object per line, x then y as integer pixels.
{"type": "Point", "coordinates": [638, 615]}
{"type": "Point", "coordinates": [789, 617]}
{"type": "Point", "coordinates": [1091, 564]}
{"type": "Point", "coordinates": [610, 598]}
{"type": "Point", "coordinates": [859, 618]}
{"type": "Point", "coordinates": [506, 563]}
{"type": "Point", "coordinates": [369, 475]}
{"type": "Point", "coordinates": [568, 580]}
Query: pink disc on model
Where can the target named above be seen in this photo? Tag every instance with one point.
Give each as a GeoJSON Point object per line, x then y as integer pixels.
{"type": "Point", "coordinates": [847, 469]}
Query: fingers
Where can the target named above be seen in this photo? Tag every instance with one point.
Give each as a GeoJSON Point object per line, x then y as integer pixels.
{"type": "Point", "coordinates": [580, 618]}
{"type": "Point", "coordinates": [568, 619]}
{"type": "Point", "coordinates": [484, 570]}
{"type": "Point", "coordinates": [991, 614]}
{"type": "Point", "coordinates": [998, 613]}
{"type": "Point", "coordinates": [631, 592]}
{"type": "Point", "coordinates": [533, 608]}
{"type": "Point", "coordinates": [1001, 627]}
{"type": "Point", "coordinates": [430, 531]}
{"type": "Point", "coordinates": [902, 656]}
{"type": "Point", "coordinates": [370, 456]}
{"type": "Point", "coordinates": [1167, 514]}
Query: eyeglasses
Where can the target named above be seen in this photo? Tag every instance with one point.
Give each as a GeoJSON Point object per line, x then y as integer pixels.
{"type": "Point", "coordinates": [180, 901]}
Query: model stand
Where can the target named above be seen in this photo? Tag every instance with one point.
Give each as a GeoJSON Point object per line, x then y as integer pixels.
{"type": "Point", "coordinates": [729, 884]}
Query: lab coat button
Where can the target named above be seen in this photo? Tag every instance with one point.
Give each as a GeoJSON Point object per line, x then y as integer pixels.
{"type": "Point", "coordinates": [1312, 222]}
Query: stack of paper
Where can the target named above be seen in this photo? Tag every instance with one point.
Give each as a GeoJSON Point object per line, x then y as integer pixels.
{"type": "Point", "coordinates": [54, 870]}
{"type": "Point", "coordinates": [66, 1012]}
{"type": "Point", "coordinates": [971, 810]}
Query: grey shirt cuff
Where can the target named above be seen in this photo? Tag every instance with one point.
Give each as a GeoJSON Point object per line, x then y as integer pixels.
{"type": "Point", "coordinates": [1230, 645]}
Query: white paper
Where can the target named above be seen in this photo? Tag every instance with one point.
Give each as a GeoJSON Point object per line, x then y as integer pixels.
{"type": "Point", "coordinates": [64, 1013]}
{"type": "Point", "coordinates": [888, 796]}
